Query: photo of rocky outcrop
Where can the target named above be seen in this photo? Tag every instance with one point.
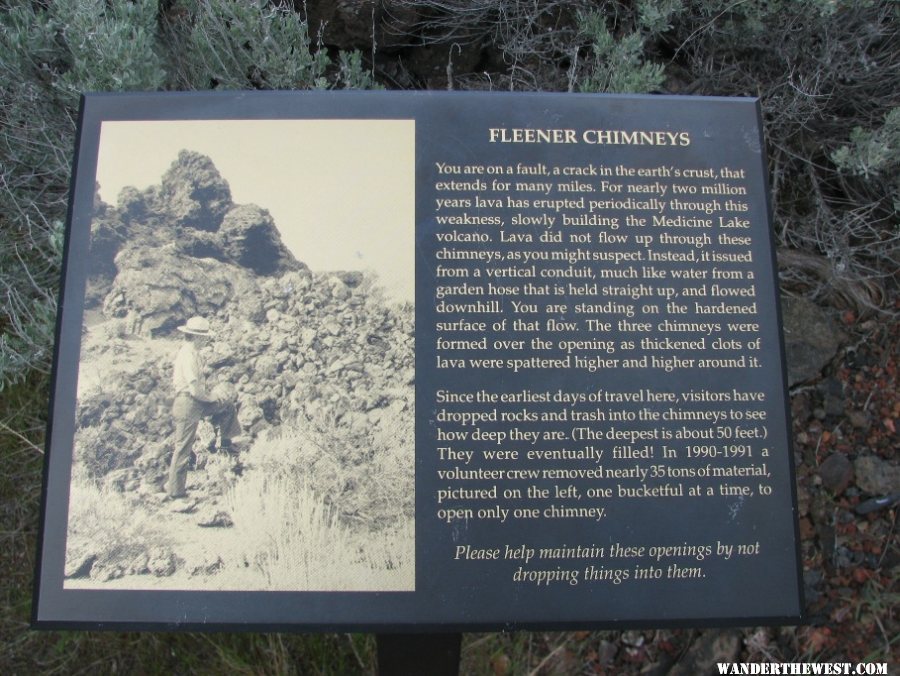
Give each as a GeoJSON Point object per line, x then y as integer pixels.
{"type": "Point", "coordinates": [316, 493]}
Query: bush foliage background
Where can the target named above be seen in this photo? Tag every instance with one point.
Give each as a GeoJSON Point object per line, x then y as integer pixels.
{"type": "Point", "coordinates": [827, 73]}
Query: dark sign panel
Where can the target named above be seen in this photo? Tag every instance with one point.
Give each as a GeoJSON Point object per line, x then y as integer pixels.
{"type": "Point", "coordinates": [434, 361]}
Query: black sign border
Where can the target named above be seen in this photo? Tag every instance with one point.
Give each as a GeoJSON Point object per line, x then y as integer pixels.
{"type": "Point", "coordinates": [52, 604]}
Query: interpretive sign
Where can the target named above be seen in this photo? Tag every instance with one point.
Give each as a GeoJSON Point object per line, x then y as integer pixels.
{"type": "Point", "coordinates": [434, 361]}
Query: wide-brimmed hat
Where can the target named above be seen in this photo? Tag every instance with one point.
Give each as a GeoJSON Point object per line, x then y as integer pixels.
{"type": "Point", "coordinates": [197, 326]}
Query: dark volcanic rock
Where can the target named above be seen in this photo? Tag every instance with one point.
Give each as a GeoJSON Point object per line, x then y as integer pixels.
{"type": "Point", "coordinates": [108, 234]}
{"type": "Point", "coordinates": [193, 193]}
{"type": "Point", "coordinates": [836, 473]}
{"type": "Point", "coordinates": [165, 288]}
{"type": "Point", "coordinates": [811, 339]}
{"type": "Point", "coordinates": [181, 249]}
{"type": "Point", "coordinates": [80, 566]}
{"type": "Point", "coordinates": [876, 476]}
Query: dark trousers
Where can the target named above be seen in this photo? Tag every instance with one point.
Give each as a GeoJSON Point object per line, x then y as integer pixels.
{"type": "Point", "coordinates": [187, 413]}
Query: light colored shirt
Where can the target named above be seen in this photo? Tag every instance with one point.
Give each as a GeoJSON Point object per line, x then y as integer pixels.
{"type": "Point", "coordinates": [187, 374]}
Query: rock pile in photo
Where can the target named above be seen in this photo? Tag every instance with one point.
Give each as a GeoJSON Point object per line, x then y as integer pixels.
{"type": "Point", "coordinates": [299, 348]}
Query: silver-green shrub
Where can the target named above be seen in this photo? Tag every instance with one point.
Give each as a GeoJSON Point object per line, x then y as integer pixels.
{"type": "Point", "coordinates": [51, 52]}
{"type": "Point", "coordinates": [872, 152]}
{"type": "Point", "coordinates": [252, 44]}
{"type": "Point", "coordinates": [236, 44]}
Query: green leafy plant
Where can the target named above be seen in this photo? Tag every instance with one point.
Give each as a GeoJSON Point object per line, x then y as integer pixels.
{"type": "Point", "coordinates": [112, 46]}
{"type": "Point", "coordinates": [235, 44]}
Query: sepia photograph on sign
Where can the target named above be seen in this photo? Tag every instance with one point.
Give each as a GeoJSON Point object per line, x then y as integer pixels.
{"type": "Point", "coordinates": [245, 394]}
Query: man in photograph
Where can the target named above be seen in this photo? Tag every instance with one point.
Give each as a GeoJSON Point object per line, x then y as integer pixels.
{"type": "Point", "coordinates": [193, 402]}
